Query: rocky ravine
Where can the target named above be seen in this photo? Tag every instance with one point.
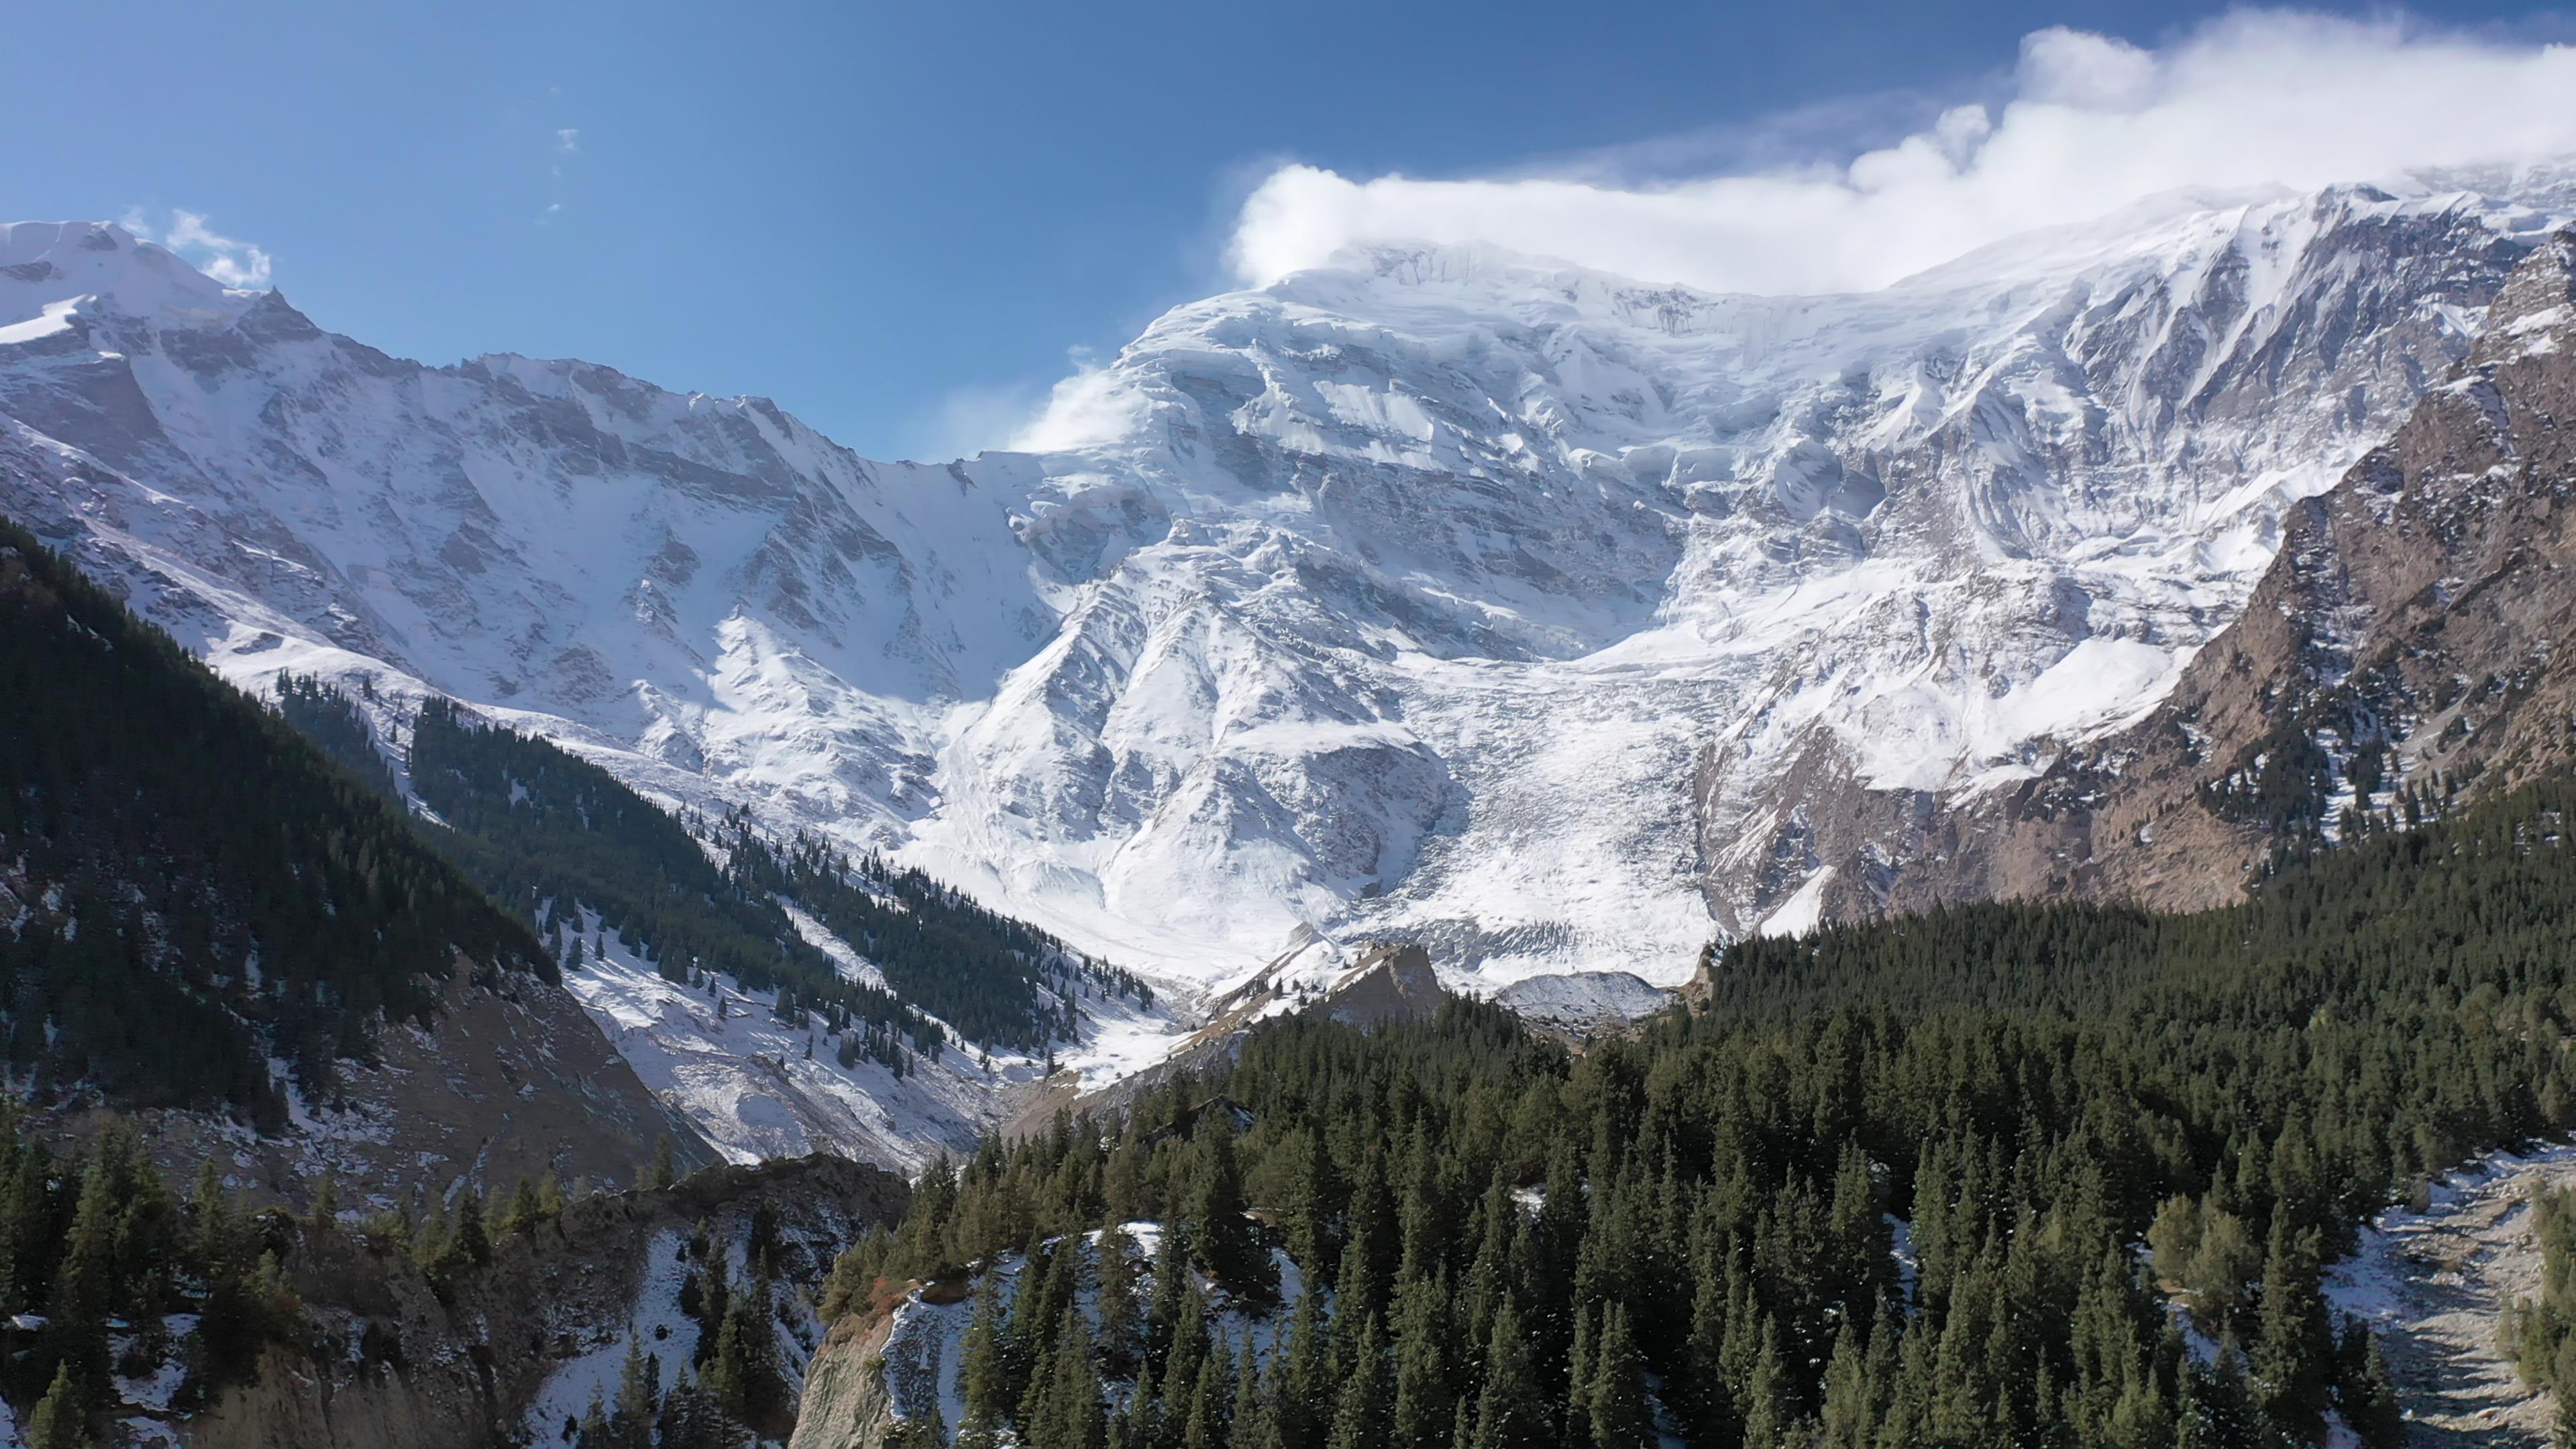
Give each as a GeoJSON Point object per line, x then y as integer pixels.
{"type": "Point", "coordinates": [528, 1340]}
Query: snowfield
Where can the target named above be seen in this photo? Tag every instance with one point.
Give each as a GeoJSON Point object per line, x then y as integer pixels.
{"type": "Point", "coordinates": [1559, 622]}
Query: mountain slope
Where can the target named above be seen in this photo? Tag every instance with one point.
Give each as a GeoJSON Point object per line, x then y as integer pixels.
{"type": "Point", "coordinates": [1547, 619]}
{"type": "Point", "coordinates": [206, 919]}
{"type": "Point", "coordinates": [2407, 650]}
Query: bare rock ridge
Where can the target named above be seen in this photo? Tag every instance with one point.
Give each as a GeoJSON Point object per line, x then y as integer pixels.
{"type": "Point", "coordinates": [2409, 646]}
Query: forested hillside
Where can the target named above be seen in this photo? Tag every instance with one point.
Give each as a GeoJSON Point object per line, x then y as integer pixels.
{"type": "Point", "coordinates": [2000, 1176]}
{"type": "Point", "coordinates": [545, 832]}
{"type": "Point", "coordinates": [995, 979]}
{"type": "Point", "coordinates": [551, 833]}
{"type": "Point", "coordinates": [187, 890]}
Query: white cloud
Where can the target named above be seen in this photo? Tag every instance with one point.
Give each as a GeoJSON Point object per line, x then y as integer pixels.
{"type": "Point", "coordinates": [2091, 123]}
{"type": "Point", "coordinates": [568, 141]}
{"type": "Point", "coordinates": [1030, 415]}
{"type": "Point", "coordinates": [972, 418]}
{"type": "Point", "coordinates": [232, 262]}
{"type": "Point", "coordinates": [1084, 409]}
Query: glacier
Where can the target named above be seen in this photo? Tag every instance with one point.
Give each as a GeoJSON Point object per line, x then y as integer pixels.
{"type": "Point", "coordinates": [1556, 621]}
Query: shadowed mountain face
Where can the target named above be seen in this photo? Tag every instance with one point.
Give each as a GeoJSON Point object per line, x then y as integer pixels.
{"type": "Point", "coordinates": [208, 923]}
{"type": "Point", "coordinates": [1547, 619]}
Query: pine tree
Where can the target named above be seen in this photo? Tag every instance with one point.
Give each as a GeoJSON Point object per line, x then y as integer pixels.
{"type": "Point", "coordinates": [983, 1377]}
{"type": "Point", "coordinates": [85, 1288]}
{"type": "Point", "coordinates": [61, 1419]}
{"type": "Point", "coordinates": [1510, 1412]}
{"type": "Point", "coordinates": [1210, 1415]}
{"type": "Point", "coordinates": [1619, 1417]}
{"type": "Point", "coordinates": [639, 1397]}
{"type": "Point", "coordinates": [2369, 1395]}
{"type": "Point", "coordinates": [1306, 1371]}
{"type": "Point", "coordinates": [467, 1247]}
{"type": "Point", "coordinates": [1114, 1301]}
{"type": "Point", "coordinates": [1425, 1414]}
{"type": "Point", "coordinates": [1364, 1412]}
{"type": "Point", "coordinates": [1069, 1412]}
{"type": "Point", "coordinates": [1223, 1236]}
{"type": "Point", "coordinates": [525, 1213]}
{"type": "Point", "coordinates": [1849, 1411]}
{"type": "Point", "coordinates": [2291, 1349]}
{"type": "Point", "coordinates": [1769, 1418]}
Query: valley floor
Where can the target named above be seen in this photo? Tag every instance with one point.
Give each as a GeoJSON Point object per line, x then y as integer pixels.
{"type": "Point", "coordinates": [2436, 1285]}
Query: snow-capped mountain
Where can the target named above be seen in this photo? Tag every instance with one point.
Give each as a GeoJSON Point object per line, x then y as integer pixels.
{"type": "Point", "coordinates": [1553, 620]}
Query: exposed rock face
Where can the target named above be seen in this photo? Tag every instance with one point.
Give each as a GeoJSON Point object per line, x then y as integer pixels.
{"type": "Point", "coordinates": [2412, 636]}
{"type": "Point", "coordinates": [845, 1405]}
{"type": "Point", "coordinates": [1385, 983]}
{"type": "Point", "coordinates": [1584, 1001]}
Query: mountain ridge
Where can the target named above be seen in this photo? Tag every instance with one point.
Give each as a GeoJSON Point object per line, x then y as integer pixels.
{"type": "Point", "coordinates": [1460, 608]}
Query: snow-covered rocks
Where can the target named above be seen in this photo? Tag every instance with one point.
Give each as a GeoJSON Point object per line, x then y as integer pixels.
{"type": "Point", "coordinates": [1553, 621]}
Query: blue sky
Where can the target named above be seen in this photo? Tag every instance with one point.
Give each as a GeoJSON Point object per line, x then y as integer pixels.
{"type": "Point", "coordinates": [898, 220]}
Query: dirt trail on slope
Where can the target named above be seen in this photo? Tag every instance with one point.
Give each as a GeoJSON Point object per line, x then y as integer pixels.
{"type": "Point", "coordinates": [2436, 1285]}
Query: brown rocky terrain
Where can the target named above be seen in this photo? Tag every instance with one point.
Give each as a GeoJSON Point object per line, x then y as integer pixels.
{"type": "Point", "coordinates": [2408, 648]}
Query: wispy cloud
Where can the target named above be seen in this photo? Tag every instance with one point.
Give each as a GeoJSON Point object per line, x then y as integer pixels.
{"type": "Point", "coordinates": [2087, 123]}
{"type": "Point", "coordinates": [562, 154]}
{"type": "Point", "coordinates": [228, 260]}
{"type": "Point", "coordinates": [1029, 414]}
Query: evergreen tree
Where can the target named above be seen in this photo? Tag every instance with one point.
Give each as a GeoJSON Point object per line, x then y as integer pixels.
{"type": "Point", "coordinates": [983, 1377]}
{"type": "Point", "coordinates": [61, 1419]}
{"type": "Point", "coordinates": [1619, 1418]}
{"type": "Point", "coordinates": [1769, 1417]}
{"type": "Point", "coordinates": [1223, 1237]}
{"type": "Point", "coordinates": [1364, 1412]}
{"type": "Point", "coordinates": [1069, 1412]}
{"type": "Point", "coordinates": [1115, 1302]}
{"type": "Point", "coordinates": [1510, 1413]}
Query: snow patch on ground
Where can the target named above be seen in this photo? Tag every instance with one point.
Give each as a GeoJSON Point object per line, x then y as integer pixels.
{"type": "Point", "coordinates": [665, 1332]}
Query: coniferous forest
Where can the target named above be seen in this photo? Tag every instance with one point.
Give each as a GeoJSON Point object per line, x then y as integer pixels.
{"type": "Point", "coordinates": [203, 892]}
{"type": "Point", "coordinates": [2008, 1175]}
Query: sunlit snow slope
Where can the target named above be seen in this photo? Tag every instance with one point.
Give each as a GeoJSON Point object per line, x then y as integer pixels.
{"type": "Point", "coordinates": [1555, 620]}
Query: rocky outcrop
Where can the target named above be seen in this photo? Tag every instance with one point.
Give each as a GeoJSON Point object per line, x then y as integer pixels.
{"type": "Point", "coordinates": [1386, 983]}
{"type": "Point", "coordinates": [845, 1405]}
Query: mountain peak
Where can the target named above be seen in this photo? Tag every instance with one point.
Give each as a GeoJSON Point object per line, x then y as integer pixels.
{"type": "Point", "coordinates": [47, 268]}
